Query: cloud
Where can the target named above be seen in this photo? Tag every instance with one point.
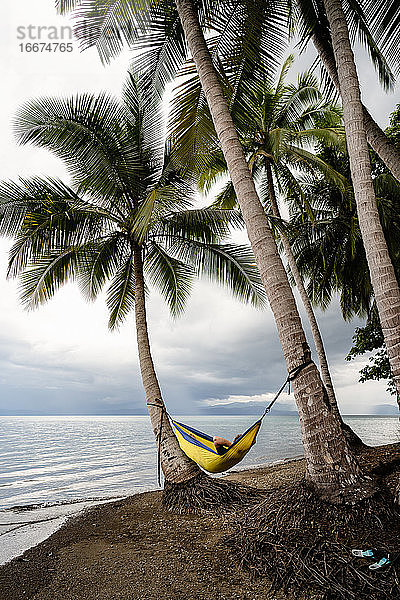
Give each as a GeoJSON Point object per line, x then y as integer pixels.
{"type": "Point", "coordinates": [62, 358]}
{"type": "Point", "coordinates": [263, 399]}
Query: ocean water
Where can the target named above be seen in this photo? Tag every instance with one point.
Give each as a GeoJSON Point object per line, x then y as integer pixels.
{"type": "Point", "coordinates": [61, 459]}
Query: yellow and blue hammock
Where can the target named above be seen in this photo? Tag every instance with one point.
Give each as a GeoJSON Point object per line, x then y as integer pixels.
{"type": "Point", "coordinates": [200, 447]}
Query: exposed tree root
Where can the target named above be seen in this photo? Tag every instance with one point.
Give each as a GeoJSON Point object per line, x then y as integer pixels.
{"type": "Point", "coordinates": [304, 544]}
{"type": "Point", "coordinates": [204, 493]}
{"type": "Point", "coordinates": [354, 441]}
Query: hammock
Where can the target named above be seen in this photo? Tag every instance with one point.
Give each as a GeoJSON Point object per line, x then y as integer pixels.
{"type": "Point", "coordinates": [200, 447]}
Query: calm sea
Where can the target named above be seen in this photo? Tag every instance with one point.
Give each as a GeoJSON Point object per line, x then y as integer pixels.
{"type": "Point", "coordinates": [60, 459]}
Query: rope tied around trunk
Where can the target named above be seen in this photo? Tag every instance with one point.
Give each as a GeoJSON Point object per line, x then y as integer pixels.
{"type": "Point", "coordinates": [291, 377]}
{"type": "Point", "coordinates": [158, 440]}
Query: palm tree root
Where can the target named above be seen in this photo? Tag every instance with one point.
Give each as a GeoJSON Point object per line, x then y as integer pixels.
{"type": "Point", "coordinates": [303, 544]}
{"type": "Point", "coordinates": [205, 493]}
{"type": "Point", "coordinates": [354, 441]}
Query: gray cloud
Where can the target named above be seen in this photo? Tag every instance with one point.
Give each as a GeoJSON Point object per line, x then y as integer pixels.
{"type": "Point", "coordinates": [62, 359]}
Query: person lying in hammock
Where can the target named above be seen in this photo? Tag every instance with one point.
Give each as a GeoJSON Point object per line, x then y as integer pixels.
{"type": "Point", "coordinates": [222, 445]}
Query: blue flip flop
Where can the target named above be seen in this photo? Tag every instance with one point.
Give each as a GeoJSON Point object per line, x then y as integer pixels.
{"type": "Point", "coordinates": [363, 553]}
{"type": "Point", "coordinates": [384, 562]}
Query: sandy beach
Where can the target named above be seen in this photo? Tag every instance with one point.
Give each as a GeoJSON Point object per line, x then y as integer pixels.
{"type": "Point", "coordinates": [133, 549]}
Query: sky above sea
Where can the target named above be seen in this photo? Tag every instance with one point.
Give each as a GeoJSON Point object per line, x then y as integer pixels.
{"type": "Point", "coordinates": [220, 356]}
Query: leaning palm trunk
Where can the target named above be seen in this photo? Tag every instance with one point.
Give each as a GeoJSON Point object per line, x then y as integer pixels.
{"type": "Point", "coordinates": [331, 466]}
{"type": "Point", "coordinates": [378, 141]}
{"type": "Point", "coordinates": [383, 277]}
{"type": "Point", "coordinates": [176, 466]}
{"type": "Point", "coordinates": [319, 345]}
{"type": "Point", "coordinates": [187, 489]}
{"type": "Point", "coordinates": [351, 436]}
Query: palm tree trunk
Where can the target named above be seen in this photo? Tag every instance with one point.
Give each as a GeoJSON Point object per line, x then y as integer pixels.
{"type": "Point", "coordinates": [383, 277]}
{"type": "Point", "coordinates": [319, 345]}
{"type": "Point", "coordinates": [377, 139]}
{"type": "Point", "coordinates": [331, 466]}
{"type": "Point", "coordinates": [353, 439]}
{"type": "Point", "coordinates": [176, 466]}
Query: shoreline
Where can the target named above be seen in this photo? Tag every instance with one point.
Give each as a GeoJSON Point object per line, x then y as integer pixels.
{"type": "Point", "coordinates": [136, 530]}
{"type": "Point", "coordinates": [24, 527]}
{"type": "Point", "coordinates": [44, 519]}
{"type": "Point", "coordinates": [134, 549]}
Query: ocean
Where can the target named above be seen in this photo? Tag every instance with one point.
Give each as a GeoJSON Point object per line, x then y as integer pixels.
{"type": "Point", "coordinates": [61, 459]}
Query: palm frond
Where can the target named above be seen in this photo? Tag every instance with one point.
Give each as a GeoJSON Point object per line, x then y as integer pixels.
{"type": "Point", "coordinates": [208, 225]}
{"type": "Point", "coordinates": [144, 115]}
{"type": "Point", "coordinates": [229, 265]}
{"type": "Point", "coordinates": [108, 24]}
{"type": "Point", "coordinates": [162, 47]}
{"type": "Point", "coordinates": [100, 263]}
{"type": "Point", "coordinates": [65, 6]}
{"type": "Point", "coordinates": [226, 199]}
{"type": "Point", "coordinates": [86, 131]}
{"type": "Point", "coordinates": [358, 26]}
{"type": "Point", "coordinates": [190, 127]}
{"type": "Point", "coordinates": [52, 216]}
{"type": "Point", "coordinates": [159, 201]}
{"type": "Point", "coordinates": [121, 292]}
{"type": "Point", "coordinates": [39, 282]}
{"type": "Point", "coordinates": [172, 277]}
{"type": "Point", "coordinates": [383, 17]}
{"type": "Point", "coordinates": [303, 159]}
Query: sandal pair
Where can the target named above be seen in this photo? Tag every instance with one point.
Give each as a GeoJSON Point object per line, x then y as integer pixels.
{"type": "Point", "coordinates": [383, 561]}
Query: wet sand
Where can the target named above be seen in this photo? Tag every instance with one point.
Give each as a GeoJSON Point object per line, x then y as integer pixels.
{"type": "Point", "coordinates": [133, 549]}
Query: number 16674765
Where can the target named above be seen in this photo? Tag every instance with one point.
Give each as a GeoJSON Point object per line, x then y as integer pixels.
{"type": "Point", "coordinates": [46, 47]}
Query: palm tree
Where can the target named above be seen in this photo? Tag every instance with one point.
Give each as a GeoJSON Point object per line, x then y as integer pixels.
{"type": "Point", "coordinates": [276, 125]}
{"type": "Point", "coordinates": [331, 465]}
{"type": "Point", "coordinates": [383, 277]}
{"type": "Point", "coordinates": [126, 220]}
{"type": "Point", "coordinates": [328, 248]}
{"type": "Point", "coordinates": [372, 22]}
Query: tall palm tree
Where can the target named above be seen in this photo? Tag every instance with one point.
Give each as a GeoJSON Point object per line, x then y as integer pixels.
{"type": "Point", "coordinates": [328, 248]}
{"type": "Point", "coordinates": [376, 25]}
{"type": "Point", "coordinates": [277, 124]}
{"type": "Point", "coordinates": [126, 219]}
{"type": "Point", "coordinates": [331, 465]}
{"type": "Point", "coordinates": [383, 277]}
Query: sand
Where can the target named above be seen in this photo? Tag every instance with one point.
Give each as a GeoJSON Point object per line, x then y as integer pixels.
{"type": "Point", "coordinates": [133, 549]}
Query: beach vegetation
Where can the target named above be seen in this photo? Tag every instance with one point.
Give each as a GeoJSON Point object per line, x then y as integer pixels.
{"type": "Point", "coordinates": [334, 473]}
{"type": "Point", "coordinates": [125, 223]}
{"type": "Point", "coordinates": [330, 252]}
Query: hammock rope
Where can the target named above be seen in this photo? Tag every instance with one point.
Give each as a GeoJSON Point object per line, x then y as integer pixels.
{"type": "Point", "coordinates": [204, 441]}
{"type": "Point", "coordinates": [291, 377]}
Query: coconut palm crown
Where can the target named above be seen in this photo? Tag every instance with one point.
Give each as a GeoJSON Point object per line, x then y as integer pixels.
{"type": "Point", "coordinates": [125, 219]}
{"type": "Point", "coordinates": [125, 193]}
{"type": "Point", "coordinates": [277, 122]}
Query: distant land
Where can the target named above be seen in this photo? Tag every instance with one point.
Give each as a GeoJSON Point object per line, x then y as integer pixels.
{"type": "Point", "coordinates": [386, 409]}
{"type": "Point", "coordinates": [234, 409]}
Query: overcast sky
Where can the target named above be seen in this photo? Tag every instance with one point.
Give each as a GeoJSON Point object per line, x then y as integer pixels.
{"type": "Point", "coordinates": [62, 359]}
